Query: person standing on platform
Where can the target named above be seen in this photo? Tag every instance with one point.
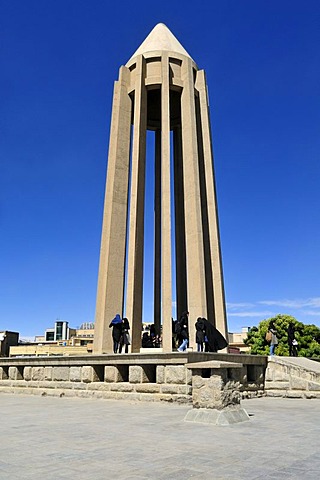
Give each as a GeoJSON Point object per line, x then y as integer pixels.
{"type": "Point", "coordinates": [214, 340]}
{"type": "Point", "coordinates": [200, 334]}
{"type": "Point", "coordinates": [125, 336]}
{"type": "Point", "coordinates": [183, 335]}
{"type": "Point", "coordinates": [116, 325]}
{"type": "Point", "coordinates": [292, 342]}
{"type": "Point", "coordinates": [274, 339]}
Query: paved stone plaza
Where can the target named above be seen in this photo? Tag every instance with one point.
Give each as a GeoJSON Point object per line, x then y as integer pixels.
{"type": "Point", "coordinates": [57, 438]}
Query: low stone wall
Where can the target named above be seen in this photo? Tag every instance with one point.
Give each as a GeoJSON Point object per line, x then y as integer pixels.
{"type": "Point", "coordinates": [292, 378]}
{"type": "Point", "coordinates": [150, 377]}
{"type": "Point", "coordinates": [171, 383]}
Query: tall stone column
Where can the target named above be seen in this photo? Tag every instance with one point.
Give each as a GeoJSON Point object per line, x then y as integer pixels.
{"type": "Point", "coordinates": [212, 210]}
{"type": "Point", "coordinates": [166, 272]}
{"type": "Point", "coordinates": [196, 288]}
{"type": "Point", "coordinates": [136, 225]}
{"type": "Point", "coordinates": [111, 277]}
{"type": "Point", "coordinates": [157, 233]}
{"type": "Point", "coordinates": [180, 242]}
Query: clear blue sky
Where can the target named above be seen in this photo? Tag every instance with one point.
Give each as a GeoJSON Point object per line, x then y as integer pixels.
{"type": "Point", "coordinates": [58, 62]}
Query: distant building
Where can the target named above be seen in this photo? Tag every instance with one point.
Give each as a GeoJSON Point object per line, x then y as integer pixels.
{"type": "Point", "coordinates": [60, 340]}
{"type": "Point", "coordinates": [236, 340]}
{"type": "Point", "coordinates": [61, 331]}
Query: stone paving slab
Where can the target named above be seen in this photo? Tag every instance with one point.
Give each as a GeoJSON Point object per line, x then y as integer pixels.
{"type": "Point", "coordinates": [73, 438]}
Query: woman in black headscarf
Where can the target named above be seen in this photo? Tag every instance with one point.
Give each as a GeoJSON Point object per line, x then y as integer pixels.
{"type": "Point", "coordinates": [125, 336]}
{"type": "Point", "coordinates": [116, 325]}
{"type": "Point", "coordinates": [200, 334]}
{"type": "Point", "coordinates": [215, 339]}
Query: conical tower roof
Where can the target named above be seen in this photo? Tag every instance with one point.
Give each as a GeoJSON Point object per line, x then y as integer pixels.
{"type": "Point", "coordinates": [160, 38]}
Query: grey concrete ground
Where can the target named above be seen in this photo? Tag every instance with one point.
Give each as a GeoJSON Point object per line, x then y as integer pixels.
{"type": "Point", "coordinates": [72, 438]}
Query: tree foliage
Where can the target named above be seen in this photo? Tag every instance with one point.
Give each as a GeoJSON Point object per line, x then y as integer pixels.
{"type": "Point", "coordinates": [308, 337]}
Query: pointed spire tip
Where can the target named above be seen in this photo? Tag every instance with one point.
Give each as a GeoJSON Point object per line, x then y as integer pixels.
{"type": "Point", "coordinates": [160, 38]}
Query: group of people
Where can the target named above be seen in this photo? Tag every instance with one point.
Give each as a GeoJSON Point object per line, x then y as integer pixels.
{"type": "Point", "coordinates": [120, 334]}
{"type": "Point", "coordinates": [271, 336]}
{"type": "Point", "coordinates": [208, 337]}
{"type": "Point", "coordinates": [150, 340]}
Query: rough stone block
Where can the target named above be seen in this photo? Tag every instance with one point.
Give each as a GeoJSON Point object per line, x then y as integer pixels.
{"type": "Point", "coordinates": [160, 374]}
{"type": "Point", "coordinates": [110, 374]}
{"type": "Point", "coordinates": [27, 373]}
{"type": "Point", "coordinates": [61, 385]}
{"type": "Point", "coordinates": [294, 394]}
{"type": "Point", "coordinates": [277, 386]}
{"type": "Point", "coordinates": [113, 374]}
{"type": "Point", "coordinates": [147, 388]}
{"type": "Point", "coordinates": [214, 393]}
{"type": "Point", "coordinates": [137, 374]}
{"type": "Point", "coordinates": [20, 384]}
{"type": "Point", "coordinates": [88, 374]}
{"type": "Point", "coordinates": [230, 394]}
{"type": "Point", "coordinates": [37, 374]}
{"type": "Point", "coordinates": [15, 373]}
{"type": "Point", "coordinates": [75, 374]}
{"type": "Point", "coordinates": [298, 383]}
{"type": "Point", "coordinates": [308, 375]}
{"type": "Point", "coordinates": [165, 398]}
{"type": "Point", "coordinates": [312, 386]}
{"type": "Point", "coordinates": [312, 394]}
{"type": "Point", "coordinates": [147, 397]}
{"type": "Point", "coordinates": [170, 389]}
{"type": "Point", "coordinates": [60, 374]}
{"type": "Point", "coordinates": [176, 374]}
{"type": "Point", "coordinates": [278, 367]}
{"type": "Point", "coordinates": [44, 384]}
{"type": "Point", "coordinates": [184, 389]}
{"type": "Point", "coordinates": [281, 376]}
{"type": "Point", "coordinates": [76, 385]}
{"type": "Point", "coordinates": [198, 381]}
{"type": "Point", "coordinates": [121, 387]}
{"type": "Point", "coordinates": [48, 372]}
{"type": "Point", "coordinates": [276, 393]}
{"type": "Point", "coordinates": [98, 386]}
{"type": "Point", "coordinates": [189, 376]}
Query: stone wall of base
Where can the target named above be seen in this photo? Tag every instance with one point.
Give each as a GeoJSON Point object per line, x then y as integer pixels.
{"type": "Point", "coordinates": [97, 390]}
{"type": "Point", "coordinates": [132, 377]}
{"type": "Point", "coordinates": [285, 379]}
{"type": "Point", "coordinates": [171, 383]}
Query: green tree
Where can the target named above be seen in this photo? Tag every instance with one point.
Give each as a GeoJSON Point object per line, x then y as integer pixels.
{"type": "Point", "coordinates": [308, 337]}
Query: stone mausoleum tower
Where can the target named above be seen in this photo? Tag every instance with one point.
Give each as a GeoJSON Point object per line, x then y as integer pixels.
{"type": "Point", "coordinates": [160, 89]}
